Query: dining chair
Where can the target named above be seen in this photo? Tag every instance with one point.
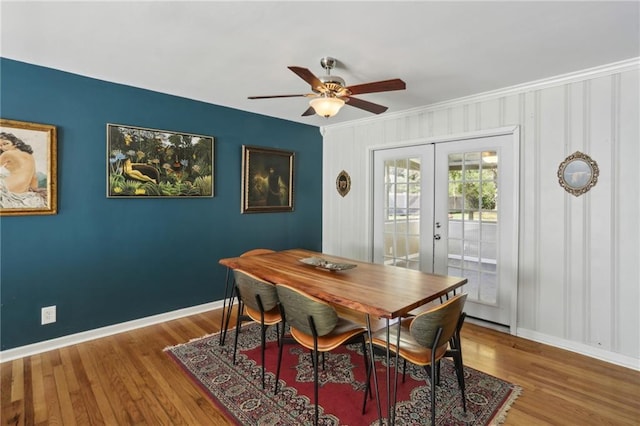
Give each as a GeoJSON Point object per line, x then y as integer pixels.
{"type": "Point", "coordinates": [430, 305]}
{"type": "Point", "coordinates": [259, 299]}
{"type": "Point", "coordinates": [427, 338]}
{"type": "Point", "coordinates": [229, 296]}
{"type": "Point", "coordinates": [316, 325]}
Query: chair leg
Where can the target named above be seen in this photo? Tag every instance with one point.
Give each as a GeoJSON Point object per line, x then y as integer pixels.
{"type": "Point", "coordinates": [224, 321]}
{"type": "Point", "coordinates": [431, 376]}
{"type": "Point", "coordinates": [314, 359]}
{"type": "Point", "coordinates": [263, 332]}
{"type": "Point", "coordinates": [460, 373]}
{"type": "Point", "coordinates": [279, 354]}
{"type": "Point", "coordinates": [366, 366]}
{"type": "Point", "coordinates": [369, 368]}
{"type": "Point", "coordinates": [432, 369]}
{"type": "Point", "coordinates": [315, 384]}
{"type": "Point", "coordinates": [232, 297]}
{"type": "Point", "coordinates": [238, 325]}
{"type": "Point", "coordinates": [456, 352]}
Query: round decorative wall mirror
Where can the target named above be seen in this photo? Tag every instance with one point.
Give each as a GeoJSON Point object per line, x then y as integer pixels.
{"type": "Point", "coordinates": [578, 173]}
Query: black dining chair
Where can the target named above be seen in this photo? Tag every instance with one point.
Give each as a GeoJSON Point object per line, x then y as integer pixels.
{"type": "Point", "coordinates": [230, 295]}
{"type": "Point", "coordinates": [259, 299]}
{"type": "Point", "coordinates": [427, 338]}
{"type": "Point", "coordinates": [315, 325]}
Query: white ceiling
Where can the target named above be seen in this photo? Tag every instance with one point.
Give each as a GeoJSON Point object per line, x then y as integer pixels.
{"type": "Point", "coordinates": [222, 52]}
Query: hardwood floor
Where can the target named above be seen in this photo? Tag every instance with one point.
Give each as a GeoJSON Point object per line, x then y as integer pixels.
{"type": "Point", "coordinates": [127, 379]}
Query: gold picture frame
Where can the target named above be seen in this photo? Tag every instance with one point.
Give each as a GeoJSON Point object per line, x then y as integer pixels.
{"type": "Point", "coordinates": [28, 168]}
{"type": "Point", "coordinates": [267, 180]}
{"type": "Point", "coordinates": [343, 183]}
{"type": "Point", "coordinates": [578, 173]}
{"type": "Point", "coordinates": [153, 163]}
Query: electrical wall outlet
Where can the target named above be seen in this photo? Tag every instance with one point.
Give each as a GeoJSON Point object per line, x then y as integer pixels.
{"type": "Point", "coordinates": [48, 315]}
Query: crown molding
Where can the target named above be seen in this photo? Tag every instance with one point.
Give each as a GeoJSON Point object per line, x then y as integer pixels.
{"type": "Point", "coordinates": [572, 77]}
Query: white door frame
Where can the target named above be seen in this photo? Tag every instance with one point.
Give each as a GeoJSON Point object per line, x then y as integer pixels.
{"type": "Point", "coordinates": [514, 131]}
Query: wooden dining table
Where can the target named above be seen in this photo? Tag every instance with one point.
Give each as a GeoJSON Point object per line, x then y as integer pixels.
{"type": "Point", "coordinates": [376, 290]}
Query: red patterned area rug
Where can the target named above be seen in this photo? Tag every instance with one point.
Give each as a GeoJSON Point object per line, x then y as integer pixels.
{"type": "Point", "coordinates": [237, 390]}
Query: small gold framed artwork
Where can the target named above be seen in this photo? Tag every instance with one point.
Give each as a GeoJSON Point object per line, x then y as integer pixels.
{"type": "Point", "coordinates": [343, 183]}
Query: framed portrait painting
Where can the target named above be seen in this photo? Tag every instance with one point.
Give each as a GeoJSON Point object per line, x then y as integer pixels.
{"type": "Point", "coordinates": [28, 168]}
{"type": "Point", "coordinates": [144, 163]}
{"type": "Point", "coordinates": [267, 180]}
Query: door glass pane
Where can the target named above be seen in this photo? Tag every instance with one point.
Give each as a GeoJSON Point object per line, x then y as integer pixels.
{"type": "Point", "coordinates": [402, 212]}
{"type": "Point", "coordinates": [473, 222]}
{"type": "Point", "coordinates": [472, 287]}
{"type": "Point", "coordinates": [455, 248]}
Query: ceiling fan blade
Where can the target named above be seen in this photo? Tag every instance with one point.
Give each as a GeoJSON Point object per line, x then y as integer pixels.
{"type": "Point", "coordinates": [378, 86]}
{"type": "Point", "coordinates": [275, 96]}
{"type": "Point", "coordinates": [309, 77]}
{"type": "Point", "coordinates": [366, 105]}
{"type": "Point", "coordinates": [309, 111]}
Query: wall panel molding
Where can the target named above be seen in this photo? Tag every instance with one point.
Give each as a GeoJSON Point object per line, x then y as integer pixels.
{"type": "Point", "coordinates": [578, 256]}
{"type": "Point", "coordinates": [615, 202]}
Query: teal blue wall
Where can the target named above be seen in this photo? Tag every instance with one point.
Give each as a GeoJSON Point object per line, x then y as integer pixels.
{"type": "Point", "coordinates": [105, 261]}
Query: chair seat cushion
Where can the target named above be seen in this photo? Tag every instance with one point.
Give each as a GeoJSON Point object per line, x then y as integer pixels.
{"type": "Point", "coordinates": [410, 349]}
{"type": "Point", "coordinates": [344, 330]}
{"type": "Point", "coordinates": [270, 318]}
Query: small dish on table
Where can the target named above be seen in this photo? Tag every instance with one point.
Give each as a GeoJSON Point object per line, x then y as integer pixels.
{"type": "Point", "coordinates": [326, 265]}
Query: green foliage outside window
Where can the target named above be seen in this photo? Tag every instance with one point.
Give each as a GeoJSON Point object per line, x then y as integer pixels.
{"type": "Point", "coordinates": [477, 187]}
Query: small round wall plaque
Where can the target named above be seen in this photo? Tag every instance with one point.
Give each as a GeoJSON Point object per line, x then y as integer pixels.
{"type": "Point", "coordinates": [343, 183]}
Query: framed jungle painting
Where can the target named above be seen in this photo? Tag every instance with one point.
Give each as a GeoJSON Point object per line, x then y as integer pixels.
{"type": "Point", "coordinates": [144, 163]}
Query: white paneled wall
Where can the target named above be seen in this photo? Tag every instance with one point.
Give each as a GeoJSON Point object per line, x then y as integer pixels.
{"type": "Point", "coordinates": [579, 273]}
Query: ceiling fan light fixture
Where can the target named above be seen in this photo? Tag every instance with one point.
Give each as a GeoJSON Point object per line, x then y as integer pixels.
{"type": "Point", "coordinates": [330, 92]}
{"type": "Point", "coordinates": [326, 106]}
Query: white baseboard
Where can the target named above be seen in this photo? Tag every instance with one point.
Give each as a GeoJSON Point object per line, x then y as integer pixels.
{"type": "Point", "coordinates": [97, 333]}
{"type": "Point", "coordinates": [581, 348]}
{"type": "Point", "coordinates": [487, 324]}
{"type": "Point", "coordinates": [72, 339]}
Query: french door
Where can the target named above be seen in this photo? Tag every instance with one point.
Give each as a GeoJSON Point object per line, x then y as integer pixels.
{"type": "Point", "coordinates": [451, 208]}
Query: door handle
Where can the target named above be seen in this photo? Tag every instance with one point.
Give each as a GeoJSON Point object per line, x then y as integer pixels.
{"type": "Point", "coordinates": [437, 237]}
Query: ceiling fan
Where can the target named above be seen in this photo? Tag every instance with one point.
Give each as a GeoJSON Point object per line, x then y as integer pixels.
{"type": "Point", "coordinates": [330, 92]}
